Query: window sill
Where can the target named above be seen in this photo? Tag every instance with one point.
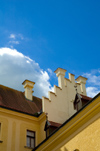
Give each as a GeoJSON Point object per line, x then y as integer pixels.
{"type": "Point", "coordinates": [1, 141]}
{"type": "Point", "coordinates": [29, 147]}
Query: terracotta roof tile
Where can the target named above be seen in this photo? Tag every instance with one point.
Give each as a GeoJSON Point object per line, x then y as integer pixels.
{"type": "Point", "coordinates": [54, 124]}
{"type": "Point", "coordinates": [15, 100]}
{"type": "Point", "coordinates": [86, 97]}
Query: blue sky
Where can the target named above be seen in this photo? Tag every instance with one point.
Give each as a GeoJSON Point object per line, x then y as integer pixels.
{"type": "Point", "coordinates": [53, 33]}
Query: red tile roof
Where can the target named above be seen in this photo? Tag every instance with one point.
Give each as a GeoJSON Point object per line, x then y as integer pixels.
{"type": "Point", "coordinates": [54, 124]}
{"type": "Point", "coordinates": [86, 98]}
{"type": "Point", "coordinates": [15, 100]}
{"type": "Point", "coordinates": [83, 98]}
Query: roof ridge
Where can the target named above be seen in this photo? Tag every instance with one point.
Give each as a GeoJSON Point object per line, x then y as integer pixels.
{"type": "Point", "coordinates": [10, 88]}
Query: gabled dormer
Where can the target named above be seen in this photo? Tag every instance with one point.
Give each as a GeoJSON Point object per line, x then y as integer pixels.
{"type": "Point", "coordinates": [80, 101]}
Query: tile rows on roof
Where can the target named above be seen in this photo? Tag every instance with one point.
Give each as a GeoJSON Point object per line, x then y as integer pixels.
{"type": "Point", "coordinates": [15, 100]}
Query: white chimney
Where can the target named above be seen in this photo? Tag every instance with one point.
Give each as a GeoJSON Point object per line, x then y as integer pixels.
{"type": "Point", "coordinates": [72, 77]}
{"type": "Point", "coordinates": [60, 73]}
{"type": "Point", "coordinates": [82, 81]}
{"type": "Point", "coordinates": [28, 86]}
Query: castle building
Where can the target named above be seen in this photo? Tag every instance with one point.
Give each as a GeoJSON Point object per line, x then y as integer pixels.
{"type": "Point", "coordinates": [66, 117]}
{"type": "Point", "coordinates": [81, 132]}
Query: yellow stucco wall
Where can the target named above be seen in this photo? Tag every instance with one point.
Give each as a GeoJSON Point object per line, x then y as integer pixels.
{"type": "Point", "coordinates": [82, 131]}
{"type": "Point", "coordinates": [13, 130]}
{"type": "Point", "coordinates": [87, 140]}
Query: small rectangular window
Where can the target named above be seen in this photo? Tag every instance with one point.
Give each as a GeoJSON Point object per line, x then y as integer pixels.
{"type": "Point", "coordinates": [30, 139]}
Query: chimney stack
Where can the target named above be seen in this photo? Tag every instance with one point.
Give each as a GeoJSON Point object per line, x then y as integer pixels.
{"type": "Point", "coordinates": [82, 81]}
{"type": "Point", "coordinates": [72, 77]}
{"type": "Point", "coordinates": [60, 73]}
{"type": "Point", "coordinates": [28, 86]}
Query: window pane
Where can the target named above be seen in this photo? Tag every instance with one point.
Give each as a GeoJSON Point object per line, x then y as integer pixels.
{"type": "Point", "coordinates": [32, 143]}
{"type": "Point", "coordinates": [28, 141]}
{"type": "Point", "coordinates": [30, 133]}
{"type": "Point", "coordinates": [30, 138]}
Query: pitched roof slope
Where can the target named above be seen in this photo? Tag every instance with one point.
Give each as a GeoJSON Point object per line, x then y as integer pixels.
{"type": "Point", "coordinates": [54, 124]}
{"type": "Point", "coordinates": [85, 98]}
{"type": "Point", "coordinates": [15, 100]}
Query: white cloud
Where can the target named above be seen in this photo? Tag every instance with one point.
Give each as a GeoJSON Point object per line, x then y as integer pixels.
{"type": "Point", "coordinates": [50, 71]}
{"type": "Point", "coordinates": [15, 67]}
{"type": "Point", "coordinates": [12, 36]}
{"type": "Point", "coordinates": [15, 39]}
{"type": "Point", "coordinates": [93, 78]}
{"type": "Point", "coordinates": [93, 82]}
{"type": "Point", "coordinates": [28, 61]}
{"type": "Point", "coordinates": [92, 91]}
{"type": "Point", "coordinates": [16, 36]}
{"type": "Point", "coordinates": [10, 52]}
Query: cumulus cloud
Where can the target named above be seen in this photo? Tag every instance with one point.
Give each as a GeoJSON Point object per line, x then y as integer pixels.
{"type": "Point", "coordinates": [92, 91]}
{"type": "Point", "coordinates": [10, 52]}
{"type": "Point", "coordinates": [93, 82]}
{"type": "Point", "coordinates": [15, 67]}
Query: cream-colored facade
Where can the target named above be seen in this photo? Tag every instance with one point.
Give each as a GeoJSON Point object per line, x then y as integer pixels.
{"type": "Point", "coordinates": [59, 105]}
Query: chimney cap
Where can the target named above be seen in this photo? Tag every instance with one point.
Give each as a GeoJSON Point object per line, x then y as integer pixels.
{"type": "Point", "coordinates": [71, 74]}
{"type": "Point", "coordinates": [81, 79]}
{"type": "Point", "coordinates": [27, 81]}
{"type": "Point", "coordinates": [59, 69]}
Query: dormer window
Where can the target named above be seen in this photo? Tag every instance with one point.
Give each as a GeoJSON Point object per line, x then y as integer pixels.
{"type": "Point", "coordinates": [47, 128]}
{"type": "Point", "coordinates": [78, 102]}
